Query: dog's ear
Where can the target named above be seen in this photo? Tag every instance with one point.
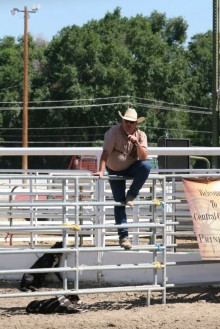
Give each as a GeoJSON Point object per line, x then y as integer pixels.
{"type": "Point", "coordinates": [73, 298]}
{"type": "Point", "coordinates": [58, 245]}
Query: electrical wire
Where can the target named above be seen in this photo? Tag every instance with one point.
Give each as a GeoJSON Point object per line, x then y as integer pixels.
{"type": "Point", "coordinates": [148, 103]}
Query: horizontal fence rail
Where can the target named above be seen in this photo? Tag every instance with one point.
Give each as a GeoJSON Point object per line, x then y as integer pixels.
{"type": "Point", "coordinates": [175, 151]}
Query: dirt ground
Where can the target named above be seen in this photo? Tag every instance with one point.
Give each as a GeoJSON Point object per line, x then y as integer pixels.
{"type": "Point", "coordinates": [185, 308]}
{"type": "Point", "coordinates": [195, 307]}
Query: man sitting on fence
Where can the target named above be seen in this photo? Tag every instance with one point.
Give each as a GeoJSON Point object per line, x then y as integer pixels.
{"type": "Point", "coordinates": [125, 154]}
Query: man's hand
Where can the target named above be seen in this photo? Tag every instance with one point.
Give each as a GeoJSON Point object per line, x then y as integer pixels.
{"type": "Point", "coordinates": [133, 139]}
{"type": "Point", "coordinates": [98, 173]}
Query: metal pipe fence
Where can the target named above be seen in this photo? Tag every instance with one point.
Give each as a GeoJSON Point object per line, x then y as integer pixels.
{"type": "Point", "coordinates": [69, 196]}
{"type": "Point", "coordinates": [39, 207]}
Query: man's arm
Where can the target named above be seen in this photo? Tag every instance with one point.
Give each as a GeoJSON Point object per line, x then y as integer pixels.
{"type": "Point", "coordinates": [141, 151]}
{"type": "Point", "coordinates": [103, 160]}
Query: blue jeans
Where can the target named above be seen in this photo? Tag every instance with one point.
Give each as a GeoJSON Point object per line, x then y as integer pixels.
{"type": "Point", "coordinates": [139, 171]}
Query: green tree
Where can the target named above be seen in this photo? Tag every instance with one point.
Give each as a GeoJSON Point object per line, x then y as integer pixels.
{"type": "Point", "coordinates": [200, 87]}
{"type": "Point", "coordinates": [140, 56]}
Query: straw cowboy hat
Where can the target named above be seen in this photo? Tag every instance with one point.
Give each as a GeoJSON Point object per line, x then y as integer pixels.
{"type": "Point", "coordinates": [131, 115]}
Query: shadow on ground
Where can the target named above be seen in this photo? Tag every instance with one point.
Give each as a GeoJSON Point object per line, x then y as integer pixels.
{"type": "Point", "coordinates": [121, 300]}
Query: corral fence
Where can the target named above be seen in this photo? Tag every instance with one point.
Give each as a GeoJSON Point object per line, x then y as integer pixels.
{"type": "Point", "coordinates": [38, 208]}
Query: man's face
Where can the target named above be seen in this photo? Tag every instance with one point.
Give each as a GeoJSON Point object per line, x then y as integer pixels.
{"type": "Point", "coordinates": [129, 126]}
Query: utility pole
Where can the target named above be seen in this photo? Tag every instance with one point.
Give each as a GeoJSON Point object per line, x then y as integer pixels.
{"type": "Point", "coordinates": [25, 82]}
{"type": "Point", "coordinates": [215, 84]}
{"type": "Point", "coordinates": [25, 92]}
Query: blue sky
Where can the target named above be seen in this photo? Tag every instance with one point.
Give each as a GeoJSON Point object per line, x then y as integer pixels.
{"type": "Point", "coordinates": [56, 14]}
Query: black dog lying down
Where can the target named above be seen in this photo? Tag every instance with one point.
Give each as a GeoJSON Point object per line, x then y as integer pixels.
{"type": "Point", "coordinates": [62, 304]}
{"type": "Point", "coordinates": [33, 281]}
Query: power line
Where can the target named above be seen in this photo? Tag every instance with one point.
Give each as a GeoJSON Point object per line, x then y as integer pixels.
{"type": "Point", "coordinates": [175, 109]}
{"type": "Point", "coordinates": [98, 127]}
{"type": "Point", "coordinates": [149, 103]}
{"type": "Point", "coordinates": [58, 128]}
{"type": "Point", "coordinates": [65, 107]}
{"type": "Point", "coordinates": [70, 100]}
